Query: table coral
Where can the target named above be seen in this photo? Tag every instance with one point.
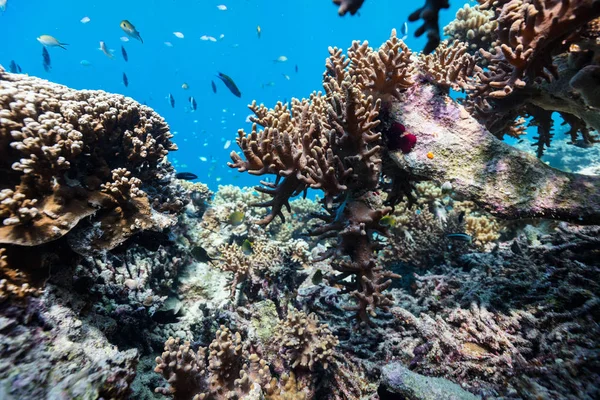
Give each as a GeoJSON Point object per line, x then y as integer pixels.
{"type": "Point", "coordinates": [69, 155]}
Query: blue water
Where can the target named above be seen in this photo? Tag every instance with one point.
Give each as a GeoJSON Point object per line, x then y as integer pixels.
{"type": "Point", "coordinates": [300, 30]}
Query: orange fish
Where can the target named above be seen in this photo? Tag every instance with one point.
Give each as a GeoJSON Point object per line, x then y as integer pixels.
{"type": "Point", "coordinates": [430, 155]}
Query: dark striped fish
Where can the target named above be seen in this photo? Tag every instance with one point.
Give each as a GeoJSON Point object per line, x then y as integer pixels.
{"type": "Point", "coordinates": [124, 53]}
{"type": "Point", "coordinates": [230, 84]}
{"type": "Point", "coordinates": [125, 80]}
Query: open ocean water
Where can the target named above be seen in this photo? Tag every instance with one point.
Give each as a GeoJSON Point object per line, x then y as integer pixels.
{"type": "Point", "coordinates": [301, 31]}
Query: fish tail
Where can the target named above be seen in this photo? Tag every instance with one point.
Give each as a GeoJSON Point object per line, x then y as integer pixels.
{"type": "Point", "coordinates": [62, 45]}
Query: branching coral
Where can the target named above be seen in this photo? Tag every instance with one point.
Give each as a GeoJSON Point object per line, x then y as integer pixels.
{"type": "Point", "coordinates": [429, 13]}
{"type": "Point", "coordinates": [229, 370]}
{"type": "Point", "coordinates": [540, 47]}
{"type": "Point", "coordinates": [304, 342]}
{"type": "Point", "coordinates": [329, 142]}
{"type": "Point", "coordinates": [449, 66]}
{"type": "Point", "coordinates": [64, 153]}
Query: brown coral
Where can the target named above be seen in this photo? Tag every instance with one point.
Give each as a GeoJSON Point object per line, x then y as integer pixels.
{"type": "Point", "coordinates": [58, 146]}
{"type": "Point", "coordinates": [473, 26]}
{"type": "Point", "coordinates": [304, 342]}
{"type": "Point", "coordinates": [329, 142]}
{"type": "Point", "coordinates": [449, 66]}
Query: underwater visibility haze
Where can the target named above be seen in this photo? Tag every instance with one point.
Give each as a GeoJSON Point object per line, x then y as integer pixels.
{"type": "Point", "coordinates": [341, 199]}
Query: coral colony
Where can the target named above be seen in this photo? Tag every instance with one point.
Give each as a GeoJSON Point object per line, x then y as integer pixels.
{"type": "Point", "coordinates": [437, 262]}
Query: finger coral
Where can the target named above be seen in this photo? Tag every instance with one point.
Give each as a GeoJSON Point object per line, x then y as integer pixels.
{"type": "Point", "coordinates": [67, 155]}
{"type": "Point", "coordinates": [304, 342]}
{"type": "Point", "coordinates": [227, 371]}
{"type": "Point", "coordinates": [474, 26]}
{"type": "Point", "coordinates": [449, 66]}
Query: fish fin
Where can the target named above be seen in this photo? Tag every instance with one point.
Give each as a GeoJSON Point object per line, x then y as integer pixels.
{"type": "Point", "coordinates": [141, 40]}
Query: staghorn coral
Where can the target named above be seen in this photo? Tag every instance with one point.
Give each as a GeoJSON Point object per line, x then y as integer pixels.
{"type": "Point", "coordinates": [328, 142]}
{"type": "Point", "coordinates": [304, 342]}
{"type": "Point", "coordinates": [474, 26]}
{"type": "Point", "coordinates": [266, 270]}
{"type": "Point", "coordinates": [64, 152]}
{"type": "Point", "coordinates": [449, 66]}
{"type": "Point", "coordinates": [429, 13]}
{"type": "Point", "coordinates": [540, 47]}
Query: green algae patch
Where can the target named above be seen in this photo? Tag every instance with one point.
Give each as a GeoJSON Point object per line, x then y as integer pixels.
{"type": "Point", "coordinates": [264, 320]}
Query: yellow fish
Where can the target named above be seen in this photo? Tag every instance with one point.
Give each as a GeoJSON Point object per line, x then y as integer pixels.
{"type": "Point", "coordinates": [236, 218]}
{"type": "Point", "coordinates": [388, 220]}
{"type": "Point", "coordinates": [247, 247]}
{"type": "Point", "coordinates": [51, 41]}
{"type": "Point", "coordinates": [130, 30]}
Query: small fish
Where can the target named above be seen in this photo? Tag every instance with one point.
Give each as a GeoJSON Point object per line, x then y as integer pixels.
{"type": "Point", "coordinates": [85, 63]}
{"type": "Point", "coordinates": [230, 84]}
{"type": "Point", "coordinates": [222, 7]}
{"type": "Point", "coordinates": [124, 54]}
{"type": "Point", "coordinates": [124, 39]}
{"type": "Point", "coordinates": [268, 84]}
{"type": "Point", "coordinates": [51, 41]}
{"type": "Point", "coordinates": [85, 20]}
{"type": "Point", "coordinates": [258, 30]}
{"type": "Point", "coordinates": [185, 86]}
{"type": "Point", "coordinates": [130, 30]}
{"type": "Point", "coordinates": [178, 35]}
{"type": "Point", "coordinates": [296, 68]}
{"type": "Point", "coordinates": [188, 176]}
{"type": "Point", "coordinates": [280, 59]}
{"type": "Point", "coordinates": [46, 61]}
{"type": "Point", "coordinates": [446, 187]}
{"type": "Point", "coordinates": [105, 50]}
{"type": "Point", "coordinates": [168, 44]}
{"type": "Point", "coordinates": [193, 104]}
{"type": "Point", "coordinates": [213, 86]}
{"type": "Point", "coordinates": [210, 38]}
{"type": "Point", "coordinates": [227, 144]}
{"type": "Point", "coordinates": [461, 237]}
{"type": "Point", "coordinates": [317, 277]}
{"type": "Point", "coordinates": [387, 220]}
{"type": "Point", "coordinates": [3, 5]}
{"type": "Point", "coordinates": [247, 247]}
{"type": "Point", "coordinates": [125, 80]}
{"type": "Point", "coordinates": [236, 218]}
{"type": "Point", "coordinates": [14, 67]}
{"type": "Point", "coordinates": [171, 100]}
{"type": "Point", "coordinates": [439, 210]}
{"type": "Point", "coordinates": [287, 78]}
{"type": "Point", "coordinates": [404, 30]}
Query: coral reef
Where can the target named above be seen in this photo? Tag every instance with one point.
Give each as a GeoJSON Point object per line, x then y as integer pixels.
{"type": "Point", "coordinates": [474, 26]}
{"type": "Point", "coordinates": [503, 180]}
{"type": "Point", "coordinates": [68, 156]}
{"type": "Point", "coordinates": [449, 66]}
{"type": "Point", "coordinates": [304, 342]}
{"type": "Point", "coordinates": [543, 53]}
{"type": "Point", "coordinates": [328, 142]}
